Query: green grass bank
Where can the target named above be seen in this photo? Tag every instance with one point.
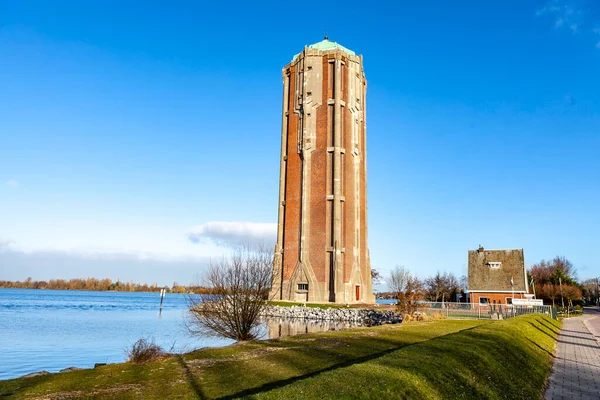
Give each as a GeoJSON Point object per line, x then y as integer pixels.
{"type": "Point", "coordinates": [508, 359]}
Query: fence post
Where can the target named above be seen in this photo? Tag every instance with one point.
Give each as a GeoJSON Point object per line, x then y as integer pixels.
{"type": "Point", "coordinates": [479, 311]}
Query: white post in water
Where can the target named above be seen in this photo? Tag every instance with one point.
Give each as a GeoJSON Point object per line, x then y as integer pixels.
{"type": "Point", "coordinates": [162, 296]}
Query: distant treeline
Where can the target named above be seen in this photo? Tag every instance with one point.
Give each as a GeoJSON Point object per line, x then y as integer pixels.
{"type": "Point", "coordinates": [99, 285]}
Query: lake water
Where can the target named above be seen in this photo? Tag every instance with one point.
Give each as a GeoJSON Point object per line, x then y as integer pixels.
{"type": "Point", "coordinates": [55, 329]}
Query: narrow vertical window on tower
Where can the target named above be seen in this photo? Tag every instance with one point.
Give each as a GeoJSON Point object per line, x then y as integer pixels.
{"type": "Point", "coordinates": [323, 224]}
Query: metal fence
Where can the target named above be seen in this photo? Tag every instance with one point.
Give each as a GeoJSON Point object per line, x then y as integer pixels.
{"type": "Point", "coordinates": [483, 311]}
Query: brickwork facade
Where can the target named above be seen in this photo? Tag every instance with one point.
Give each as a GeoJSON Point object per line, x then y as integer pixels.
{"type": "Point", "coordinates": [321, 253]}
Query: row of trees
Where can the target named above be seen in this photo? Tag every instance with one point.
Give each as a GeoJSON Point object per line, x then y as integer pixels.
{"type": "Point", "coordinates": [554, 281]}
{"type": "Point", "coordinates": [440, 287]}
{"type": "Point", "coordinates": [98, 285]}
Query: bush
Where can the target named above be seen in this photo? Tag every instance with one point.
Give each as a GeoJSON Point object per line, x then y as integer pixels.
{"type": "Point", "coordinates": [236, 288]}
{"type": "Point", "coordinates": [409, 301]}
{"type": "Point", "coordinates": [420, 317]}
{"type": "Point", "coordinates": [144, 350]}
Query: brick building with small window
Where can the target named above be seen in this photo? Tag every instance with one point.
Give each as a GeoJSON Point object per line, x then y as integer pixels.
{"type": "Point", "coordinates": [496, 275]}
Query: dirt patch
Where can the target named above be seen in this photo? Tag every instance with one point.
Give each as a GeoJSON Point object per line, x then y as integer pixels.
{"type": "Point", "coordinates": [78, 394]}
{"type": "Point", "coordinates": [241, 357]}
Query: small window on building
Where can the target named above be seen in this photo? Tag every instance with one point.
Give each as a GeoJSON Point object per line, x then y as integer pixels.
{"type": "Point", "coordinates": [484, 300]}
{"type": "Point", "coordinates": [494, 265]}
{"type": "Point", "coordinates": [509, 300]}
{"type": "Point", "coordinates": [303, 286]}
{"type": "Point", "coordinates": [309, 67]}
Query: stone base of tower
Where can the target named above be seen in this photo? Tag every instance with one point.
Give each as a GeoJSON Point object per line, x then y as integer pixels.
{"type": "Point", "coordinates": [318, 292]}
{"type": "Point", "coordinates": [304, 287]}
{"type": "Point", "coordinates": [320, 295]}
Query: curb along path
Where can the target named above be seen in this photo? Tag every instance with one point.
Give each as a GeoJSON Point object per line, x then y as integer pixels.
{"type": "Point", "coordinates": [576, 369]}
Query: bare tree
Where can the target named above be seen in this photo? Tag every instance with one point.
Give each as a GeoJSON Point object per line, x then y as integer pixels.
{"type": "Point", "coordinates": [410, 299]}
{"type": "Point", "coordinates": [549, 291]}
{"type": "Point", "coordinates": [407, 288]}
{"type": "Point", "coordinates": [398, 279]}
{"type": "Point", "coordinates": [591, 290]}
{"type": "Point", "coordinates": [375, 276]}
{"type": "Point", "coordinates": [441, 286]}
{"type": "Point", "coordinates": [572, 293]}
{"type": "Point", "coordinates": [552, 276]}
{"type": "Point", "coordinates": [552, 271]}
{"type": "Point", "coordinates": [236, 290]}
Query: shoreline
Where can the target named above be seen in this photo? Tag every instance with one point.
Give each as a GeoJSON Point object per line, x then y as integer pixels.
{"type": "Point", "coordinates": [401, 360]}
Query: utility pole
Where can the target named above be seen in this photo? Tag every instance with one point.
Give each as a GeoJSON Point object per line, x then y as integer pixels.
{"type": "Point", "coordinates": [598, 291]}
{"type": "Point", "coordinates": [562, 299]}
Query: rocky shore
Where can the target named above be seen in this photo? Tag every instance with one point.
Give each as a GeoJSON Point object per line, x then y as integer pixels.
{"type": "Point", "coordinates": [356, 315]}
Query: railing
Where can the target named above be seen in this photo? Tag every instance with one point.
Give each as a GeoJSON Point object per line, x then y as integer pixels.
{"type": "Point", "coordinates": [482, 311]}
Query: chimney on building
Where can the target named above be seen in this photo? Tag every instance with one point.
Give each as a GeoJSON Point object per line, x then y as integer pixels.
{"type": "Point", "coordinates": [480, 249]}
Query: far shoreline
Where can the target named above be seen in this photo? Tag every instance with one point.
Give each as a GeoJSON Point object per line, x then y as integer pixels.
{"type": "Point", "coordinates": [100, 285]}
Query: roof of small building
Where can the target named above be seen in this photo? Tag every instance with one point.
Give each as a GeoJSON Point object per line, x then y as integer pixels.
{"type": "Point", "coordinates": [495, 269]}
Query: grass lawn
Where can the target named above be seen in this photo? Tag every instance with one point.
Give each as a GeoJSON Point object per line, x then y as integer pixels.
{"type": "Point", "coordinates": [508, 359]}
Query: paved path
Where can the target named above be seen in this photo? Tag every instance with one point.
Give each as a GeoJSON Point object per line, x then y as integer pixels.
{"type": "Point", "coordinates": [576, 370]}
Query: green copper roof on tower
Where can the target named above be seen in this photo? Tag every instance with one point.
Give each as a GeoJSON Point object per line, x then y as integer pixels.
{"type": "Point", "coordinates": [326, 45]}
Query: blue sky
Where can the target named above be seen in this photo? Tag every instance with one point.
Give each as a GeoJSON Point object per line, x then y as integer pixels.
{"type": "Point", "coordinates": [138, 140]}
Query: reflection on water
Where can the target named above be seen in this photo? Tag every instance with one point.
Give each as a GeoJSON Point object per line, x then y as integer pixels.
{"type": "Point", "coordinates": [282, 327]}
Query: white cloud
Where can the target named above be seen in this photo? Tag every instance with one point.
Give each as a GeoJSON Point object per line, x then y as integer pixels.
{"type": "Point", "coordinates": [567, 13]}
{"type": "Point", "coordinates": [17, 263]}
{"type": "Point", "coordinates": [570, 14]}
{"type": "Point", "coordinates": [597, 33]}
{"type": "Point", "coordinates": [7, 245]}
{"type": "Point", "coordinates": [98, 253]}
{"type": "Point", "coordinates": [12, 182]}
{"type": "Point", "coordinates": [233, 234]}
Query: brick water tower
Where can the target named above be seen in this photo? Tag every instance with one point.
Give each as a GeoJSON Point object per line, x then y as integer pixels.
{"type": "Point", "coordinates": [321, 253]}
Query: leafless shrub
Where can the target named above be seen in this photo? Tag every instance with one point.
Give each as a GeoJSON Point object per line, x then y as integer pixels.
{"type": "Point", "coordinates": [410, 300]}
{"type": "Point", "coordinates": [236, 290]}
{"type": "Point", "coordinates": [398, 279]}
{"type": "Point", "coordinates": [441, 287]}
{"type": "Point", "coordinates": [144, 350]}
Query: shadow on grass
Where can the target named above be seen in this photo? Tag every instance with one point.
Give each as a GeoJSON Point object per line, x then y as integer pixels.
{"type": "Point", "coordinates": [541, 348]}
{"type": "Point", "coordinates": [480, 362]}
{"type": "Point", "coordinates": [285, 382]}
{"type": "Point", "coordinates": [553, 329]}
{"type": "Point", "coordinates": [542, 330]}
{"type": "Point", "coordinates": [191, 379]}
{"type": "Point", "coordinates": [394, 346]}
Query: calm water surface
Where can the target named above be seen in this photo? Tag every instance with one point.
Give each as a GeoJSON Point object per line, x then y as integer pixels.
{"type": "Point", "coordinates": [55, 329]}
